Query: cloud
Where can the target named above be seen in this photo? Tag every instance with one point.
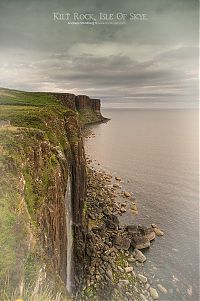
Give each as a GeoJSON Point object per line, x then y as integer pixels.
{"type": "Point", "coordinates": [141, 62]}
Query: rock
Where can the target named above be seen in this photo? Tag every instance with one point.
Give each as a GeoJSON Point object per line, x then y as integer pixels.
{"type": "Point", "coordinates": [116, 185]}
{"type": "Point", "coordinates": [131, 259]}
{"type": "Point", "coordinates": [123, 282]}
{"type": "Point", "coordinates": [107, 211]}
{"type": "Point", "coordinates": [120, 269]}
{"type": "Point", "coordinates": [142, 278]}
{"type": "Point", "coordinates": [129, 294]}
{"type": "Point", "coordinates": [127, 194]}
{"type": "Point", "coordinates": [162, 289]}
{"type": "Point", "coordinates": [147, 286]}
{"type": "Point", "coordinates": [122, 209]}
{"type": "Point", "coordinates": [111, 221]}
{"type": "Point", "coordinates": [140, 236]}
{"type": "Point", "coordinates": [128, 269]}
{"type": "Point", "coordinates": [122, 242]}
{"type": "Point", "coordinates": [134, 207]}
{"type": "Point", "coordinates": [189, 291]}
{"type": "Point", "coordinates": [139, 256]}
{"type": "Point", "coordinates": [150, 234]}
{"type": "Point", "coordinates": [142, 297]}
{"type": "Point", "coordinates": [118, 179]}
{"type": "Point", "coordinates": [158, 232]}
{"type": "Point", "coordinates": [153, 293]}
{"type": "Point", "coordinates": [109, 274]}
{"type": "Point", "coordinates": [140, 242]}
{"type": "Point", "coordinates": [154, 226]}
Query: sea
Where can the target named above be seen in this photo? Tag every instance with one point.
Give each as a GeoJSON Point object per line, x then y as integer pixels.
{"type": "Point", "coordinates": [155, 152]}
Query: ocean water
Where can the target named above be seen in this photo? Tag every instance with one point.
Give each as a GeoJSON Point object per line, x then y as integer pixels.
{"type": "Point", "coordinates": [156, 154]}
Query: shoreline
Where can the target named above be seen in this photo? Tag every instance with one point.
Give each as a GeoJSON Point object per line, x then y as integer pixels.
{"type": "Point", "coordinates": [113, 251]}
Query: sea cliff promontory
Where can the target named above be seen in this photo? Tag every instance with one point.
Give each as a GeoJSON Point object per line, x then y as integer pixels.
{"type": "Point", "coordinates": [43, 170]}
{"type": "Point", "coordinates": [60, 236]}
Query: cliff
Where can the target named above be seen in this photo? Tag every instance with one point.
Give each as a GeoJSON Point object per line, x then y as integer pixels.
{"type": "Point", "coordinates": [89, 109]}
{"type": "Point", "coordinates": [43, 170]}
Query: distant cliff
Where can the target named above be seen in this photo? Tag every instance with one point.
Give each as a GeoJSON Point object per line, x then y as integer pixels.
{"type": "Point", "coordinates": [41, 153]}
{"type": "Point", "coordinates": [89, 108]}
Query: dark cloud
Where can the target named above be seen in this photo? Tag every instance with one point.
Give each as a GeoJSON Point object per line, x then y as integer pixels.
{"type": "Point", "coordinates": [140, 62]}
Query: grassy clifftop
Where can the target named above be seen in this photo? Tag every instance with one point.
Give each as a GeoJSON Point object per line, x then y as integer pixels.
{"type": "Point", "coordinates": [38, 136]}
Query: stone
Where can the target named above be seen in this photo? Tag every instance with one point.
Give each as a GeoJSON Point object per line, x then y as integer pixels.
{"type": "Point", "coordinates": [111, 221]}
{"type": "Point", "coordinates": [106, 211]}
{"type": "Point", "coordinates": [153, 293]}
{"type": "Point", "coordinates": [116, 185]}
{"type": "Point", "coordinates": [134, 207]}
{"type": "Point", "coordinates": [142, 278]}
{"type": "Point", "coordinates": [162, 289]}
{"type": "Point", "coordinates": [120, 269]}
{"type": "Point", "coordinates": [122, 209]}
{"type": "Point", "coordinates": [147, 286]}
{"type": "Point", "coordinates": [142, 297]}
{"type": "Point", "coordinates": [127, 194]}
{"type": "Point", "coordinates": [140, 242]}
{"type": "Point", "coordinates": [189, 291]}
{"type": "Point", "coordinates": [139, 256]}
{"type": "Point", "coordinates": [123, 282]}
{"type": "Point", "coordinates": [158, 232]}
{"type": "Point", "coordinates": [118, 179]}
{"type": "Point", "coordinates": [122, 242]}
{"type": "Point", "coordinates": [128, 269]}
{"type": "Point", "coordinates": [109, 274]}
{"type": "Point", "coordinates": [131, 259]}
{"type": "Point", "coordinates": [150, 234]}
{"type": "Point", "coordinates": [128, 294]}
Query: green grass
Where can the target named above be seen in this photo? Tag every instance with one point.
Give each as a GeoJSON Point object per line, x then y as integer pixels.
{"type": "Point", "coordinates": [13, 97]}
{"type": "Point", "coordinates": [29, 166]}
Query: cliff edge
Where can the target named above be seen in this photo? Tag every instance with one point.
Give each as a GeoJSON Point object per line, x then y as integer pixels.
{"type": "Point", "coordinates": [43, 171]}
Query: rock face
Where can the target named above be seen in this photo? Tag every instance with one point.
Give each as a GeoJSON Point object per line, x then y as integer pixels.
{"type": "Point", "coordinates": [89, 107]}
{"type": "Point", "coordinates": [48, 155]}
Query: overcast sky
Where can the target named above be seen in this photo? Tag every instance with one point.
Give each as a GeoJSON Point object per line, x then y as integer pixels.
{"type": "Point", "coordinates": [151, 63]}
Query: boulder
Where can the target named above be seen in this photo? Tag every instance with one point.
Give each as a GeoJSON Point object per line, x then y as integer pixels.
{"type": "Point", "coordinates": [150, 234]}
{"type": "Point", "coordinates": [128, 269]}
{"type": "Point", "coordinates": [123, 282]}
{"type": "Point", "coordinates": [140, 242]}
{"type": "Point", "coordinates": [118, 179]}
{"type": "Point", "coordinates": [127, 194]}
{"type": "Point", "coordinates": [162, 289]}
{"type": "Point", "coordinates": [111, 221]}
{"type": "Point", "coordinates": [109, 274]}
{"type": "Point", "coordinates": [122, 242]}
{"type": "Point", "coordinates": [134, 207]}
{"type": "Point", "coordinates": [123, 209]}
{"type": "Point", "coordinates": [153, 293]}
{"type": "Point", "coordinates": [158, 232]}
{"type": "Point", "coordinates": [139, 256]}
{"type": "Point", "coordinates": [120, 269]}
{"type": "Point", "coordinates": [142, 297]}
{"type": "Point", "coordinates": [142, 278]}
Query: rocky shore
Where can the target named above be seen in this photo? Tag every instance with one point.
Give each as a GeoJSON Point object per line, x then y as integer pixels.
{"type": "Point", "coordinates": [114, 251]}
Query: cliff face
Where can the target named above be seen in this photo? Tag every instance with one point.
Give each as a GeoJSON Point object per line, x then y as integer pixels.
{"type": "Point", "coordinates": [88, 108]}
{"type": "Point", "coordinates": [41, 151]}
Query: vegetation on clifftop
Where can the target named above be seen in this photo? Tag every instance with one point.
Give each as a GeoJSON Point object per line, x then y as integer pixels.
{"type": "Point", "coordinates": [32, 136]}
